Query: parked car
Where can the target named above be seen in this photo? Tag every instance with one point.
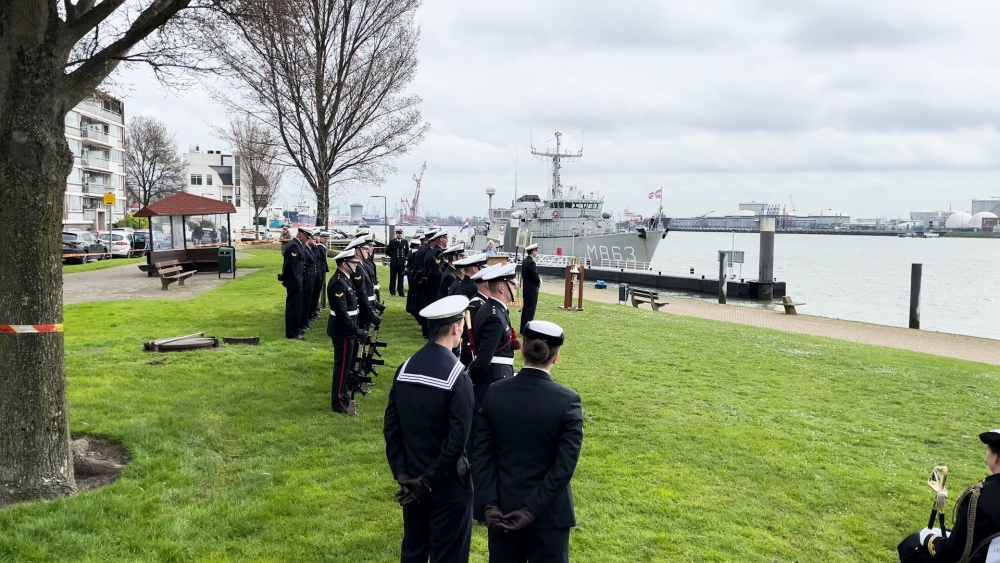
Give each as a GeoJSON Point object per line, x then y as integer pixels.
{"type": "Point", "coordinates": [140, 246]}
{"type": "Point", "coordinates": [160, 240]}
{"type": "Point", "coordinates": [82, 242]}
{"type": "Point", "coordinates": [248, 235]}
{"type": "Point", "coordinates": [120, 242]}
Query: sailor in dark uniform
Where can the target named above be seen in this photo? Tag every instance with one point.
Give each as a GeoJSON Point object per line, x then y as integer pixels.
{"type": "Point", "coordinates": [527, 444]}
{"type": "Point", "coordinates": [420, 277]}
{"type": "Point", "coordinates": [977, 517]}
{"type": "Point", "coordinates": [449, 275]}
{"type": "Point", "coordinates": [492, 335]}
{"type": "Point", "coordinates": [343, 328]}
{"type": "Point", "coordinates": [370, 267]}
{"type": "Point", "coordinates": [320, 258]}
{"type": "Point", "coordinates": [309, 281]}
{"type": "Point", "coordinates": [531, 283]}
{"type": "Point", "coordinates": [321, 252]}
{"type": "Point", "coordinates": [431, 271]}
{"type": "Point", "coordinates": [427, 422]}
{"type": "Point", "coordinates": [363, 287]}
{"type": "Point", "coordinates": [467, 267]}
{"type": "Point", "coordinates": [475, 302]}
{"type": "Point", "coordinates": [397, 250]}
{"type": "Point", "coordinates": [292, 277]}
{"type": "Point", "coordinates": [411, 280]}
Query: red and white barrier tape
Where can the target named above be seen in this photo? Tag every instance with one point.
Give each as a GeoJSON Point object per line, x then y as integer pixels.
{"type": "Point", "coordinates": [29, 329]}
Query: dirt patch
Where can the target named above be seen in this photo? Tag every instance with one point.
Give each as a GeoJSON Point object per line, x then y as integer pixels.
{"type": "Point", "coordinates": [97, 462]}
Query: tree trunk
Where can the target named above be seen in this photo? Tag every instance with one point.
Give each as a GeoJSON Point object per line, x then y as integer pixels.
{"type": "Point", "coordinates": [322, 191]}
{"type": "Point", "coordinates": [35, 456]}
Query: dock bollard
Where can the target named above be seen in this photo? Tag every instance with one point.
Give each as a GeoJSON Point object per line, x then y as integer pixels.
{"type": "Point", "coordinates": [722, 277]}
{"type": "Point", "coordinates": [916, 273]}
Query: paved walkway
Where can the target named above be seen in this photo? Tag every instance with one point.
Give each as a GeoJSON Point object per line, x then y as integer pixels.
{"type": "Point", "coordinates": [128, 282]}
{"type": "Point", "coordinates": [937, 343]}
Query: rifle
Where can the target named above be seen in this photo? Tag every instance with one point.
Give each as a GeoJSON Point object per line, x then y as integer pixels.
{"type": "Point", "coordinates": [468, 335]}
{"type": "Point", "coordinates": [368, 356]}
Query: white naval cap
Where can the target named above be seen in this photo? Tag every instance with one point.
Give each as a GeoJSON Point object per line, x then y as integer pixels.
{"type": "Point", "coordinates": [430, 234]}
{"type": "Point", "coordinates": [479, 275]}
{"type": "Point", "coordinates": [441, 233]}
{"type": "Point", "coordinates": [355, 243]}
{"type": "Point", "coordinates": [415, 242]}
{"type": "Point", "coordinates": [456, 249]}
{"type": "Point", "coordinates": [531, 247]}
{"type": "Point", "coordinates": [345, 255]}
{"type": "Point", "coordinates": [446, 310]}
{"type": "Point", "coordinates": [502, 271]}
{"type": "Point", "coordinates": [474, 260]}
{"type": "Point", "coordinates": [369, 239]}
{"type": "Point", "coordinates": [550, 332]}
{"type": "Point", "coordinates": [362, 232]}
{"type": "Point", "coordinates": [305, 231]}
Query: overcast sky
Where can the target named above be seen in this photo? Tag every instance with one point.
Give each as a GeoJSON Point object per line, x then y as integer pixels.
{"type": "Point", "coordinates": [869, 108]}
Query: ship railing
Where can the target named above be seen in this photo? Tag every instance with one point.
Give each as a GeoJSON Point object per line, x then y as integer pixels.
{"type": "Point", "coordinates": [625, 265]}
{"type": "Point", "coordinates": [560, 261]}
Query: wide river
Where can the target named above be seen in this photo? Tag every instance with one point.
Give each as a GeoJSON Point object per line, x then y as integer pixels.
{"type": "Point", "coordinates": [859, 278]}
{"type": "Point", "coordinates": [862, 278]}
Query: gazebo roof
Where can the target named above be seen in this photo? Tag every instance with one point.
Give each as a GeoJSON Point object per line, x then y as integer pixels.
{"type": "Point", "coordinates": [184, 203]}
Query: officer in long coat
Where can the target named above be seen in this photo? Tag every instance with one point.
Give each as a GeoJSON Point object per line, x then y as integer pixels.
{"type": "Point", "coordinates": [493, 338]}
{"type": "Point", "coordinates": [531, 283]}
{"type": "Point", "coordinates": [977, 517]}
{"type": "Point", "coordinates": [427, 422]}
{"type": "Point", "coordinates": [397, 250]}
{"type": "Point", "coordinates": [527, 445]}
{"type": "Point", "coordinates": [431, 271]}
{"type": "Point", "coordinates": [293, 278]}
{"type": "Point", "coordinates": [363, 287]}
{"type": "Point", "coordinates": [416, 267]}
{"type": "Point", "coordinates": [342, 328]}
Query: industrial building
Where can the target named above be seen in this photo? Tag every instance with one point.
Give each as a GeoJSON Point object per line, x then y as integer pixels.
{"type": "Point", "coordinates": [748, 215]}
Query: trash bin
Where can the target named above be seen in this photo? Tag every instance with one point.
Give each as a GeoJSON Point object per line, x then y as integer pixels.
{"type": "Point", "coordinates": [227, 260]}
{"type": "Point", "coordinates": [623, 292]}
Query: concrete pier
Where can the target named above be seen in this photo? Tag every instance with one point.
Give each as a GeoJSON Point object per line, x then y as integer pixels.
{"type": "Point", "coordinates": [747, 289]}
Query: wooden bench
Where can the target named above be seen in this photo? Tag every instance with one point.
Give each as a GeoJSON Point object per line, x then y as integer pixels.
{"type": "Point", "coordinates": [646, 296]}
{"type": "Point", "coordinates": [171, 271]}
{"type": "Point", "coordinates": [789, 305]}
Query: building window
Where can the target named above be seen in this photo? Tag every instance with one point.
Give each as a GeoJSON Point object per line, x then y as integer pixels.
{"type": "Point", "coordinates": [116, 157]}
{"type": "Point", "coordinates": [227, 198]}
{"type": "Point", "coordinates": [74, 176]}
{"type": "Point", "coordinates": [208, 179]}
{"type": "Point", "coordinates": [73, 119]}
{"type": "Point", "coordinates": [237, 201]}
{"type": "Point", "coordinates": [74, 203]}
{"type": "Point", "coordinates": [196, 179]}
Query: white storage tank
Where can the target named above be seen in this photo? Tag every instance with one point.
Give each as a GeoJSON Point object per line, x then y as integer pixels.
{"type": "Point", "coordinates": [987, 204]}
{"type": "Point", "coordinates": [976, 222]}
{"type": "Point", "coordinates": [958, 220]}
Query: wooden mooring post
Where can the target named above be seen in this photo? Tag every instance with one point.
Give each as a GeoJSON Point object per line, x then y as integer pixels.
{"type": "Point", "coordinates": [916, 273]}
{"type": "Point", "coordinates": [722, 276]}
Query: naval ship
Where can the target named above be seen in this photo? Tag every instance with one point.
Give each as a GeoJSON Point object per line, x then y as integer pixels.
{"type": "Point", "coordinates": [570, 223]}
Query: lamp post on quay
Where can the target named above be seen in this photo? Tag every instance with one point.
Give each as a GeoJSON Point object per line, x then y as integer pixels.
{"type": "Point", "coordinates": [491, 190]}
{"type": "Point", "coordinates": [385, 218]}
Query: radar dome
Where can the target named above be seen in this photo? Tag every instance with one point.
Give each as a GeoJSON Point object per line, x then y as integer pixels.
{"type": "Point", "coordinates": [958, 220]}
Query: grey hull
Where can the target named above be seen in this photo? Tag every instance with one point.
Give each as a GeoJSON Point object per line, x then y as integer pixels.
{"type": "Point", "coordinates": [612, 249]}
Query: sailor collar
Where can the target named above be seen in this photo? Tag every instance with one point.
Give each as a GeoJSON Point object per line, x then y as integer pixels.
{"type": "Point", "coordinates": [432, 366]}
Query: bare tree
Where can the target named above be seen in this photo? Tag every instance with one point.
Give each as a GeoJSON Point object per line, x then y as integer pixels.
{"type": "Point", "coordinates": [53, 54]}
{"type": "Point", "coordinates": [153, 166]}
{"type": "Point", "coordinates": [257, 151]}
{"type": "Point", "coordinates": [329, 76]}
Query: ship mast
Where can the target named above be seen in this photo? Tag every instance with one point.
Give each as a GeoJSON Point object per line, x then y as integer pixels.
{"type": "Point", "coordinates": [555, 191]}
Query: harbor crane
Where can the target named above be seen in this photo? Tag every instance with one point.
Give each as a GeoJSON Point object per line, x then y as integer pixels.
{"type": "Point", "coordinates": [408, 214]}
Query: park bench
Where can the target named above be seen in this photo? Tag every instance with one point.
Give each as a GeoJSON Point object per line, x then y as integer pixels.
{"type": "Point", "coordinates": [789, 305]}
{"type": "Point", "coordinates": [171, 271]}
{"type": "Point", "coordinates": [646, 296]}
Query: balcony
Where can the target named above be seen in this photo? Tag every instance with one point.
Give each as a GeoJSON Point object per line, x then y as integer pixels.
{"type": "Point", "coordinates": [95, 135]}
{"type": "Point", "coordinates": [96, 162]}
{"type": "Point", "coordinates": [90, 187]}
{"type": "Point", "coordinates": [93, 106]}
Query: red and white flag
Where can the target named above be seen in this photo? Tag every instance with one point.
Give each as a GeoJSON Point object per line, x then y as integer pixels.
{"type": "Point", "coordinates": [658, 194]}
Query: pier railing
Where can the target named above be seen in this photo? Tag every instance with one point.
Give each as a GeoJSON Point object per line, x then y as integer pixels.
{"type": "Point", "coordinates": [625, 265]}
{"type": "Point", "coordinates": [560, 261]}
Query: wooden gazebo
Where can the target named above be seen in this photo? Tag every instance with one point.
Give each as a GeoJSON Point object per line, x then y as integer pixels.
{"type": "Point", "coordinates": [178, 207]}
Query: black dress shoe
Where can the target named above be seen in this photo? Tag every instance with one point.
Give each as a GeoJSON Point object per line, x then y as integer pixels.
{"type": "Point", "coordinates": [300, 337]}
{"type": "Point", "coordinates": [341, 410]}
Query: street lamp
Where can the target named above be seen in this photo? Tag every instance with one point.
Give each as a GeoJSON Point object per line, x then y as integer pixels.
{"type": "Point", "coordinates": [490, 191]}
{"type": "Point", "coordinates": [385, 219]}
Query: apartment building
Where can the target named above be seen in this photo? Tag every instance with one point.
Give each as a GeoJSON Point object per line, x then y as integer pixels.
{"type": "Point", "coordinates": [95, 131]}
{"type": "Point", "coordinates": [216, 175]}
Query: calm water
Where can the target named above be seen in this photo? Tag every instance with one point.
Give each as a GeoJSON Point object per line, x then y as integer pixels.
{"type": "Point", "coordinates": [863, 278]}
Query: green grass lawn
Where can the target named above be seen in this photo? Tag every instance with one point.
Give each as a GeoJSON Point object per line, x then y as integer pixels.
{"type": "Point", "coordinates": [102, 264]}
{"type": "Point", "coordinates": [704, 441]}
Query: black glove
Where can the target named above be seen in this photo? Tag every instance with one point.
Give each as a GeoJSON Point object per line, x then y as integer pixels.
{"type": "Point", "coordinates": [416, 490]}
{"type": "Point", "coordinates": [494, 516]}
{"type": "Point", "coordinates": [403, 494]}
{"type": "Point", "coordinates": [517, 520]}
{"type": "Point", "coordinates": [377, 321]}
